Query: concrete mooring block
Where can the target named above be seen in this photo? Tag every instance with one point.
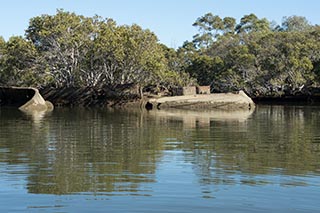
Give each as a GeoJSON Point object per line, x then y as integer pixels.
{"type": "Point", "coordinates": [181, 91]}
{"type": "Point", "coordinates": [189, 90]}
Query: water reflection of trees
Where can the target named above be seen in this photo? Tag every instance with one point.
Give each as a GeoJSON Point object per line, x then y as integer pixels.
{"type": "Point", "coordinates": [276, 140]}
{"type": "Point", "coordinates": [85, 151]}
{"type": "Point", "coordinates": [116, 152]}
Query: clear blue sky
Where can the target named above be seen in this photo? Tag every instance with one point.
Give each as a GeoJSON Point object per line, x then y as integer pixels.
{"type": "Point", "coordinates": [171, 20]}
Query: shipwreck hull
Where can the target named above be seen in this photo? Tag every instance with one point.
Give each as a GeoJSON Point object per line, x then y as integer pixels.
{"type": "Point", "coordinates": [25, 98]}
{"type": "Point", "coordinates": [224, 101]}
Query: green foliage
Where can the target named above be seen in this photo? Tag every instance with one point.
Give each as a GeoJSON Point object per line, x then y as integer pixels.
{"type": "Point", "coordinates": [18, 62]}
{"type": "Point", "coordinates": [205, 68]}
{"type": "Point", "coordinates": [211, 27]}
{"type": "Point", "coordinates": [255, 56]}
{"type": "Point", "coordinates": [251, 23]}
{"type": "Point", "coordinates": [2, 61]}
{"type": "Point", "coordinates": [295, 23]}
{"type": "Point", "coordinates": [67, 50]}
{"type": "Point", "coordinates": [63, 42]}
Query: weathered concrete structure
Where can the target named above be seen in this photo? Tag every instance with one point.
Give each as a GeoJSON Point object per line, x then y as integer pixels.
{"type": "Point", "coordinates": [27, 99]}
{"type": "Point", "coordinates": [191, 90]}
{"type": "Point", "coordinates": [179, 91]}
{"type": "Point", "coordinates": [203, 90]}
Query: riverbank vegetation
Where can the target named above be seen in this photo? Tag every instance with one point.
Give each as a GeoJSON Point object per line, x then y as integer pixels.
{"type": "Point", "coordinates": [67, 50]}
{"type": "Point", "coordinates": [258, 56]}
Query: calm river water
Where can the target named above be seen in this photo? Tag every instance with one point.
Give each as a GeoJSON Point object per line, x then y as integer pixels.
{"type": "Point", "coordinates": [82, 160]}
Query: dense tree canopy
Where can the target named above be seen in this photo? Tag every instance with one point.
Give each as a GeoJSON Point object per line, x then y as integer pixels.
{"type": "Point", "coordinates": [69, 50]}
{"type": "Point", "coordinates": [255, 55]}
{"type": "Point", "coordinates": [295, 23]}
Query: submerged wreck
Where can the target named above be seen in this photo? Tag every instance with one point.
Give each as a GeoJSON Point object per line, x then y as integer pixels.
{"type": "Point", "coordinates": [27, 99]}
{"type": "Point", "coordinates": [224, 101]}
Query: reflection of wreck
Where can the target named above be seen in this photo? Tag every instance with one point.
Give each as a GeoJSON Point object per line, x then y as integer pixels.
{"type": "Point", "coordinates": [194, 118]}
{"type": "Point", "coordinates": [27, 99]}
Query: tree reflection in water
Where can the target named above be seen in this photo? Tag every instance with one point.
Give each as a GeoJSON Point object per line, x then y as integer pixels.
{"type": "Point", "coordinates": [116, 152]}
{"type": "Point", "coordinates": [84, 151]}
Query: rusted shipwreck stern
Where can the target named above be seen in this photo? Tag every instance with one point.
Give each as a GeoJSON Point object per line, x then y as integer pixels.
{"type": "Point", "coordinates": [27, 99]}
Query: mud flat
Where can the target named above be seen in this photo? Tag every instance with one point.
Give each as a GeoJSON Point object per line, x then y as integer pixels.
{"type": "Point", "coordinates": [225, 101]}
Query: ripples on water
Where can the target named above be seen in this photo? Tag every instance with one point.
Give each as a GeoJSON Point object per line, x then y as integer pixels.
{"type": "Point", "coordinates": [81, 160]}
